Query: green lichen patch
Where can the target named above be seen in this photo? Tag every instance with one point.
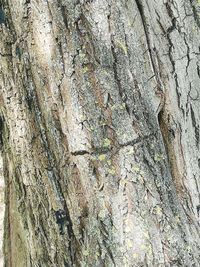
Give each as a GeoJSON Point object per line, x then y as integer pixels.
{"type": "Point", "coordinates": [112, 170]}
{"type": "Point", "coordinates": [102, 157]}
{"type": "Point", "coordinates": [122, 46]}
{"type": "Point", "coordinates": [106, 142]}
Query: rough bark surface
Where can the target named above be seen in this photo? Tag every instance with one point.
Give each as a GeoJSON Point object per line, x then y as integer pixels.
{"type": "Point", "coordinates": [99, 132]}
{"type": "Point", "coordinates": [2, 210]}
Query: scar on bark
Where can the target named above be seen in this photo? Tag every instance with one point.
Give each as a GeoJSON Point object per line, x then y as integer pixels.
{"type": "Point", "coordinates": [168, 136]}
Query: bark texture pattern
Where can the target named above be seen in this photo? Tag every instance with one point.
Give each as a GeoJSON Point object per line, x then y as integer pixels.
{"type": "Point", "coordinates": [99, 131]}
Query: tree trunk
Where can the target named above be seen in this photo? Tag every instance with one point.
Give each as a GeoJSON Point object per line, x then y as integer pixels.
{"type": "Point", "coordinates": [99, 127]}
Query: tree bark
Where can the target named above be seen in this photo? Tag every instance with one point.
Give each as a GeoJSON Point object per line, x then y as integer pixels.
{"type": "Point", "coordinates": [99, 132]}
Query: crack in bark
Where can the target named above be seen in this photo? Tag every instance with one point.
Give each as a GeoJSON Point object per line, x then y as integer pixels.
{"type": "Point", "coordinates": [188, 54]}
{"type": "Point", "coordinates": [196, 128]}
{"type": "Point", "coordinates": [115, 67]}
{"type": "Point", "coordinates": [169, 30]}
{"type": "Point", "coordinates": [101, 150]}
{"type": "Point", "coordinates": [145, 27]}
{"type": "Point", "coordinates": [80, 153]}
{"type": "Point", "coordinates": [1, 131]}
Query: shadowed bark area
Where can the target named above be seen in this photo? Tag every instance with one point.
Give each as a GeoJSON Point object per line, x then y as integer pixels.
{"type": "Point", "coordinates": [99, 132]}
